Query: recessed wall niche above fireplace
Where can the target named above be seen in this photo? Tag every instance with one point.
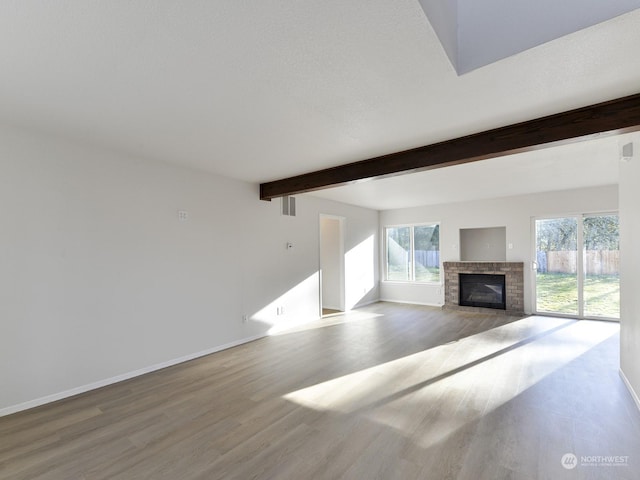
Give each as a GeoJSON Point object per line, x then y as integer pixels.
{"type": "Point", "coordinates": [483, 244]}
{"type": "Point", "coordinates": [512, 296]}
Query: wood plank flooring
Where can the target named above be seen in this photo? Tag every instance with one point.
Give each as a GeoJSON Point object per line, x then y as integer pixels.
{"type": "Point", "coordinates": [384, 392]}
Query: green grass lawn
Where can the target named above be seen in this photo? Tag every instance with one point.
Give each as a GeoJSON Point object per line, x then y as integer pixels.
{"type": "Point", "coordinates": [423, 274]}
{"type": "Point", "coordinates": [427, 274]}
{"type": "Point", "coordinates": [558, 292]}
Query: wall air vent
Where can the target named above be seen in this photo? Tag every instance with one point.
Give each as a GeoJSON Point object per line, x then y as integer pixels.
{"type": "Point", "coordinates": [289, 206]}
{"type": "Point", "coordinates": [627, 152]}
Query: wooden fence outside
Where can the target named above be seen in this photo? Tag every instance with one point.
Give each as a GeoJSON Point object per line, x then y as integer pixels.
{"type": "Point", "coordinates": [597, 262]}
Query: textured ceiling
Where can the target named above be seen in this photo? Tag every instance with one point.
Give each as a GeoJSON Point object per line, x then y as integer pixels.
{"type": "Point", "coordinates": [577, 165]}
{"type": "Point", "coordinates": [264, 90]}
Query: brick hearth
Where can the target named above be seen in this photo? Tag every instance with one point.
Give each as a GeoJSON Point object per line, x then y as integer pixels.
{"type": "Point", "coordinates": [514, 284]}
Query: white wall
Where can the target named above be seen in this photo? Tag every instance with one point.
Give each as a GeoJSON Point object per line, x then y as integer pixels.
{"type": "Point", "coordinates": [630, 272]}
{"type": "Point", "coordinates": [99, 280]}
{"type": "Point", "coordinates": [514, 213]}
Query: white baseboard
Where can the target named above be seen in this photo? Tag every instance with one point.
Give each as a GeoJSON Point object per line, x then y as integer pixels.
{"type": "Point", "coordinates": [412, 303]}
{"type": "Point", "coordinates": [119, 378]}
{"type": "Point", "coordinates": [633, 393]}
{"type": "Point", "coordinates": [370, 302]}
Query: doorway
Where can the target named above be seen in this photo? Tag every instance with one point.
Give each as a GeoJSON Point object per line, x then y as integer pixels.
{"type": "Point", "coordinates": [576, 266]}
{"type": "Point", "coordinates": [332, 297]}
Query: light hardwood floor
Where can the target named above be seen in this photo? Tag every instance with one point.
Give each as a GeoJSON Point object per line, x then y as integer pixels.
{"type": "Point", "coordinates": [384, 392]}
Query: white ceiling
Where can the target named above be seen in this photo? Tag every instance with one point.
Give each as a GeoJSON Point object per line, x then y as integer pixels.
{"type": "Point", "coordinates": [263, 90]}
{"type": "Point", "coordinates": [577, 165]}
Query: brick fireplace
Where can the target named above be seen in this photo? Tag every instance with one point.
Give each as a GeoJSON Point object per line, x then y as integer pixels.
{"type": "Point", "coordinates": [514, 284]}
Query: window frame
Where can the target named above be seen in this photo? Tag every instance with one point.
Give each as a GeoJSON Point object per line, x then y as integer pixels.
{"type": "Point", "coordinates": [412, 263]}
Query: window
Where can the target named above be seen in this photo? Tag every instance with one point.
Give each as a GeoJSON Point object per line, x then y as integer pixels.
{"type": "Point", "coordinates": [413, 253]}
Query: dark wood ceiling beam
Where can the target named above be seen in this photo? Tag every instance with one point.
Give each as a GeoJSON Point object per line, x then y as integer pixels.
{"type": "Point", "coordinates": [612, 117]}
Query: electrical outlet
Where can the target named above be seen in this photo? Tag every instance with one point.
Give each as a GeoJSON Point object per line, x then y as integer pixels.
{"type": "Point", "coordinates": [183, 215]}
{"type": "Point", "coordinates": [245, 318]}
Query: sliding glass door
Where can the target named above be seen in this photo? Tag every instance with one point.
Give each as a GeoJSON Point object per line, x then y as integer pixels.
{"type": "Point", "coordinates": [557, 289]}
{"type": "Point", "coordinates": [601, 251]}
{"type": "Point", "coordinates": [577, 259]}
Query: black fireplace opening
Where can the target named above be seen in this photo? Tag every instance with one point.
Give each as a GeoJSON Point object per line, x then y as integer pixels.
{"type": "Point", "coordinates": [482, 290]}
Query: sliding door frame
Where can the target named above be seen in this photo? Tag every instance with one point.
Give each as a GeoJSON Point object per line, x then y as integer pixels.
{"type": "Point", "coordinates": [580, 265]}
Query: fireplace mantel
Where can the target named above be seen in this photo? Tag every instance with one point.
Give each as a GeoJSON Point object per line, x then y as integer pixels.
{"type": "Point", "coordinates": [514, 280]}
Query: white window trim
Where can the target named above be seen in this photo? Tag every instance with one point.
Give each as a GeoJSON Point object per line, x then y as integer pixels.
{"type": "Point", "coordinates": [412, 259]}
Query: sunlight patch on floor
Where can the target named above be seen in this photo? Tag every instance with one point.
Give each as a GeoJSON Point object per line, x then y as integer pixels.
{"type": "Point", "coordinates": [447, 386]}
{"type": "Point", "coordinates": [337, 319]}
